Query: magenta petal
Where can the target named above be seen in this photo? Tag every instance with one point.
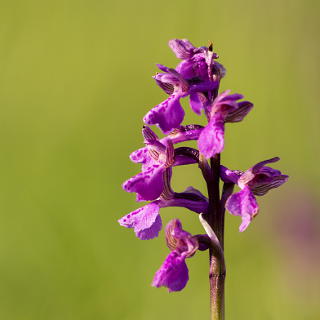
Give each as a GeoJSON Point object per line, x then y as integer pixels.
{"type": "Point", "coordinates": [145, 221]}
{"type": "Point", "coordinates": [204, 86]}
{"type": "Point", "coordinates": [173, 273]}
{"type": "Point", "coordinates": [147, 184]}
{"type": "Point", "coordinates": [140, 156]}
{"type": "Point", "coordinates": [181, 160]}
{"type": "Point", "coordinates": [170, 81]}
{"type": "Point", "coordinates": [244, 204]}
{"type": "Point", "coordinates": [182, 48]}
{"type": "Point", "coordinates": [229, 176]}
{"type": "Point", "coordinates": [152, 231]}
{"type": "Point", "coordinates": [262, 182]}
{"type": "Point", "coordinates": [211, 139]}
{"type": "Point", "coordinates": [186, 69]}
{"type": "Point", "coordinates": [256, 168]}
{"type": "Point", "coordinates": [196, 102]}
{"type": "Point", "coordinates": [195, 67]}
{"type": "Point", "coordinates": [246, 219]}
{"type": "Point", "coordinates": [185, 133]}
{"type": "Point", "coordinates": [191, 199]}
{"type": "Point", "coordinates": [180, 240]}
{"type": "Point", "coordinates": [167, 115]}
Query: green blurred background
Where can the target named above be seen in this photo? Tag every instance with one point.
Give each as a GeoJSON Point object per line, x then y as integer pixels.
{"type": "Point", "coordinates": [75, 82]}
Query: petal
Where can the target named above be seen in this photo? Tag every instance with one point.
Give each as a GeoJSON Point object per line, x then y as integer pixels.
{"type": "Point", "coordinates": [191, 199]}
{"type": "Point", "coordinates": [152, 231]}
{"type": "Point", "coordinates": [259, 165]}
{"type": "Point", "coordinates": [230, 97]}
{"type": "Point", "coordinates": [244, 204]}
{"type": "Point", "coordinates": [140, 156]}
{"type": "Point", "coordinates": [180, 240]}
{"type": "Point", "coordinates": [147, 184]}
{"type": "Point", "coordinates": [238, 114]}
{"type": "Point", "coordinates": [167, 115]}
{"type": "Point", "coordinates": [181, 160]}
{"type": "Point", "coordinates": [219, 69]}
{"type": "Point", "coordinates": [229, 176]}
{"type": "Point", "coordinates": [260, 178]}
{"type": "Point", "coordinates": [149, 135]}
{"type": "Point", "coordinates": [259, 175]}
{"type": "Point", "coordinates": [196, 102]}
{"type": "Point", "coordinates": [185, 68]}
{"type": "Point", "coordinates": [195, 67]}
{"type": "Point", "coordinates": [226, 104]}
{"type": "Point", "coordinates": [183, 49]}
{"type": "Point", "coordinates": [204, 86]}
{"type": "Point", "coordinates": [185, 155]}
{"type": "Point", "coordinates": [211, 139]}
{"type": "Point", "coordinates": [260, 186]}
{"type": "Point", "coordinates": [145, 221]}
{"type": "Point", "coordinates": [167, 87]}
{"type": "Point", "coordinates": [171, 81]}
{"type": "Point", "coordinates": [173, 273]}
{"type": "Point", "coordinates": [246, 219]}
{"type": "Point", "coordinates": [185, 133]}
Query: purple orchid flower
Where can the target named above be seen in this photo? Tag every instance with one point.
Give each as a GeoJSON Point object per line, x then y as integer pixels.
{"type": "Point", "coordinates": [149, 183]}
{"type": "Point", "coordinates": [157, 157]}
{"type": "Point", "coordinates": [169, 114]}
{"type": "Point", "coordinates": [200, 69]}
{"type": "Point", "coordinates": [174, 273]}
{"type": "Point", "coordinates": [224, 108]}
{"type": "Point", "coordinates": [256, 181]}
{"type": "Point", "coordinates": [196, 76]}
{"type": "Point", "coordinates": [197, 63]}
{"type": "Point", "coordinates": [181, 134]}
{"type": "Point", "coordinates": [146, 221]}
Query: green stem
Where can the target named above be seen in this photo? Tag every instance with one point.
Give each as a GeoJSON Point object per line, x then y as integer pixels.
{"type": "Point", "coordinates": [215, 218]}
{"type": "Point", "coordinates": [216, 277]}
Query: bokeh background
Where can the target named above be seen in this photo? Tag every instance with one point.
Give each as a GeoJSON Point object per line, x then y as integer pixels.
{"type": "Point", "coordinates": [75, 82]}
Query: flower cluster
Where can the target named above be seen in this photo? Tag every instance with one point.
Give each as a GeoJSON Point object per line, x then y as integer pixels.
{"type": "Point", "coordinates": [197, 77]}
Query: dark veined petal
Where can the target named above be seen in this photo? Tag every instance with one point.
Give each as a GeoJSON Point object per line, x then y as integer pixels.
{"type": "Point", "coordinates": [185, 133]}
{"type": "Point", "coordinates": [248, 176]}
{"type": "Point", "coordinates": [147, 184]}
{"type": "Point", "coordinates": [259, 165]}
{"type": "Point", "coordinates": [262, 183]}
{"type": "Point", "coordinates": [171, 81]}
{"type": "Point", "coordinates": [243, 204]}
{"type": "Point", "coordinates": [182, 48]}
{"type": "Point", "coordinates": [211, 139]}
{"type": "Point", "coordinates": [168, 115]}
{"type": "Point", "coordinates": [145, 221]}
{"type": "Point", "coordinates": [149, 135]}
{"type": "Point", "coordinates": [240, 112]}
{"type": "Point", "coordinates": [218, 69]}
{"type": "Point", "coordinates": [180, 240]}
{"type": "Point", "coordinates": [173, 273]}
